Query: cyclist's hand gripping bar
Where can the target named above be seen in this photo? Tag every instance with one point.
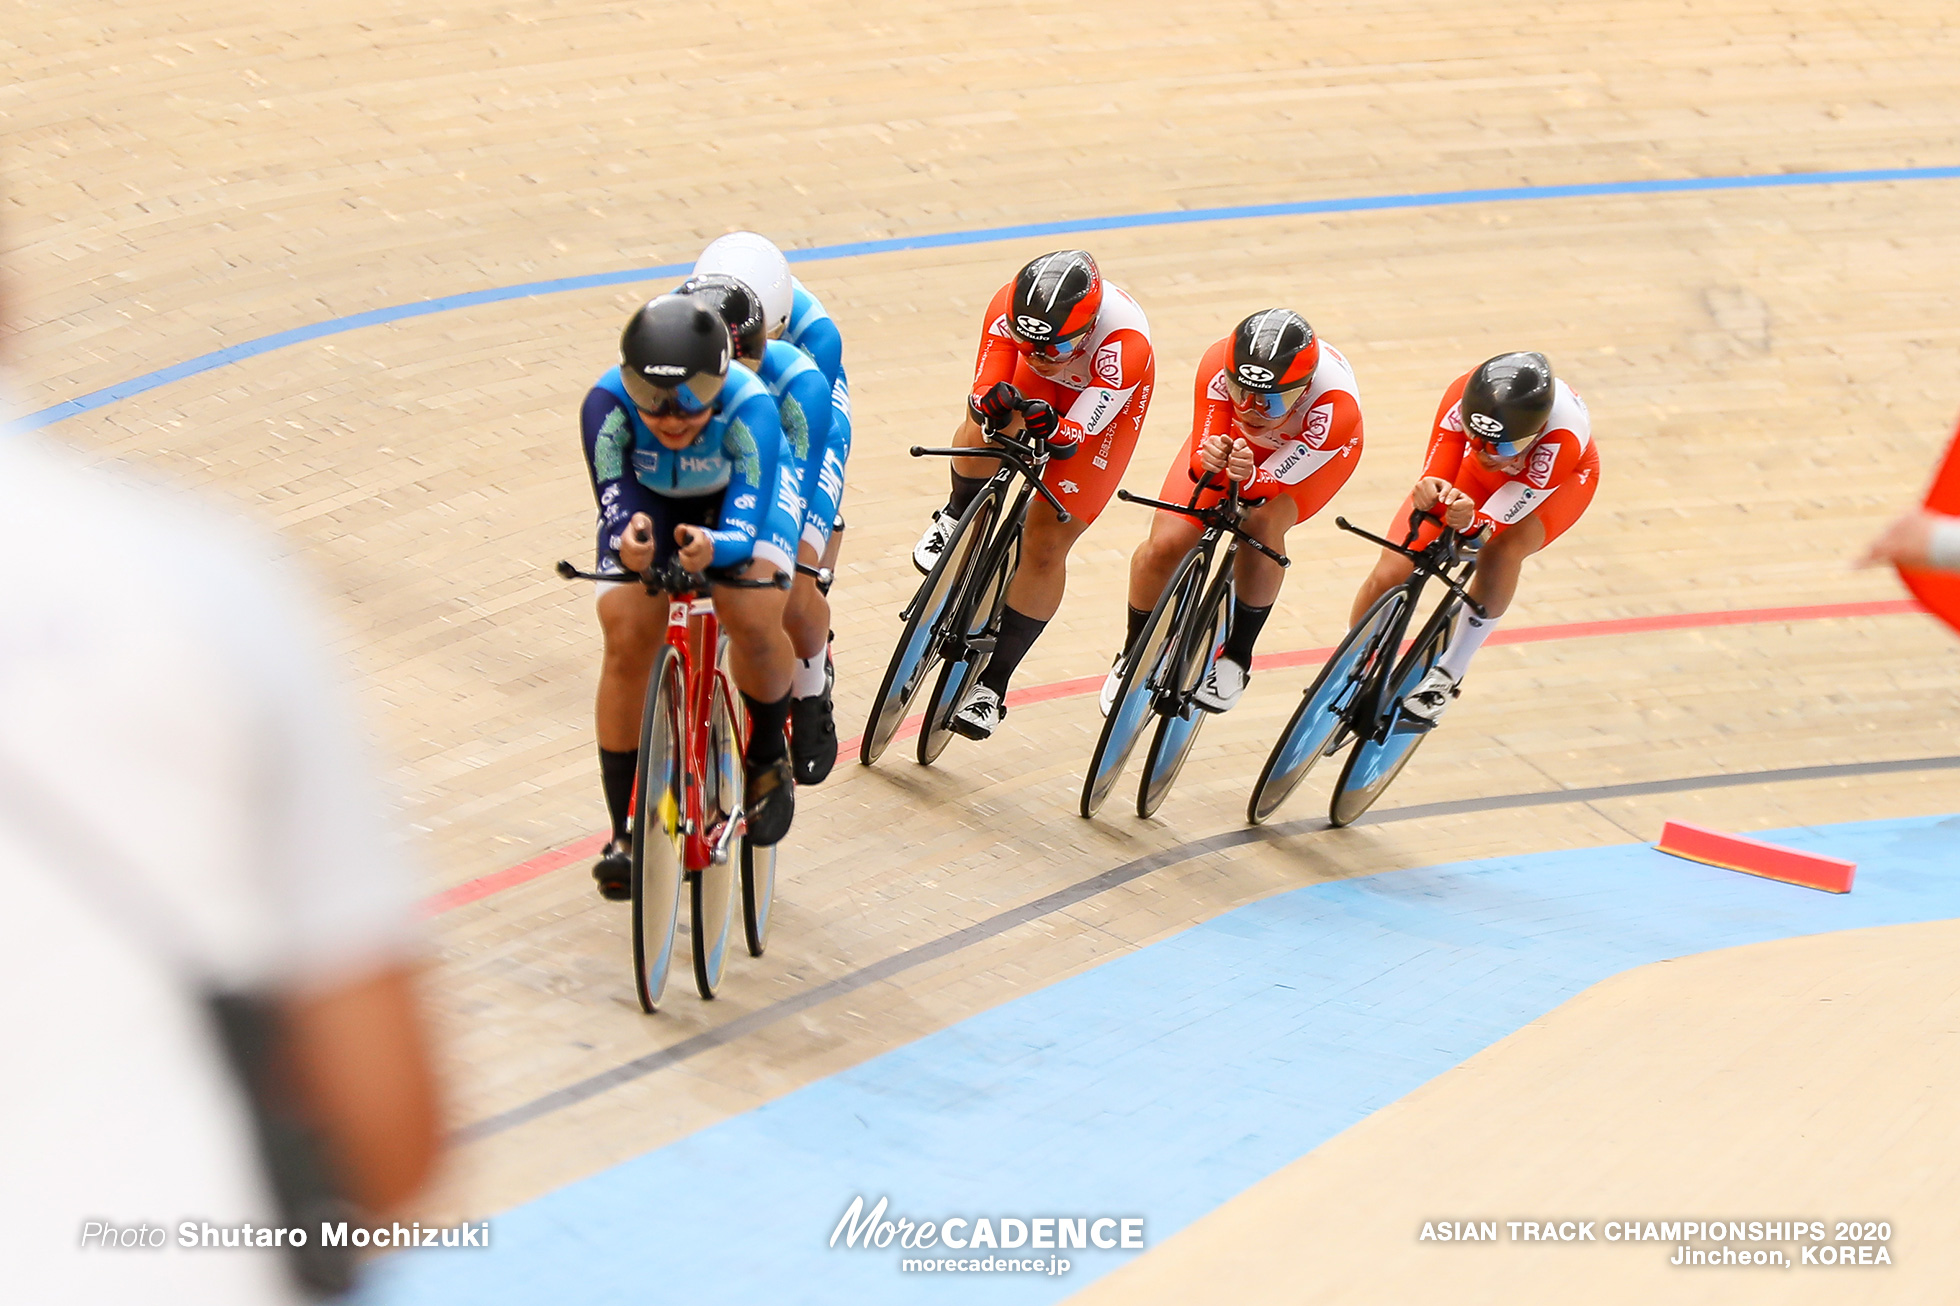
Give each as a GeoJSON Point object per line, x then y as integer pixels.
{"type": "Point", "coordinates": [1006, 449]}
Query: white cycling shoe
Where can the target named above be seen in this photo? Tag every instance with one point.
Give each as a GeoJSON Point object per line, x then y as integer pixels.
{"type": "Point", "coordinates": [980, 715]}
{"type": "Point", "coordinates": [1112, 684]}
{"type": "Point", "coordinates": [1223, 686]}
{"type": "Point", "coordinates": [932, 545]}
{"type": "Point", "coordinates": [1427, 701]}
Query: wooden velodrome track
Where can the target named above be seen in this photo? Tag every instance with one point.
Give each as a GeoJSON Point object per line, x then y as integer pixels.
{"type": "Point", "coordinates": [1770, 372]}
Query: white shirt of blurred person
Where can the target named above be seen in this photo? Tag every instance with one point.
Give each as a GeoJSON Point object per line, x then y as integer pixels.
{"type": "Point", "coordinates": [181, 718]}
{"type": "Point", "coordinates": [1926, 540]}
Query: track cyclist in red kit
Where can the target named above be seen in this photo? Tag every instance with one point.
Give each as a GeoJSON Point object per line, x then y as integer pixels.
{"type": "Point", "coordinates": [1278, 412]}
{"type": "Point", "coordinates": [1511, 458]}
{"type": "Point", "coordinates": [1065, 357]}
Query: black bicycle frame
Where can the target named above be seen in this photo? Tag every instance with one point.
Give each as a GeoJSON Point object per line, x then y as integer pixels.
{"type": "Point", "coordinates": [1432, 561]}
{"type": "Point", "coordinates": [1021, 462]}
{"type": "Point", "coordinates": [1219, 520]}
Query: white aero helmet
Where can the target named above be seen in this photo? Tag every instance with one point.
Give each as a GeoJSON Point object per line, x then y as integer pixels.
{"type": "Point", "coordinates": [754, 261]}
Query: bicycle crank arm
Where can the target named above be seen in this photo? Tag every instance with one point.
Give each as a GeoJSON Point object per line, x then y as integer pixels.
{"type": "Point", "coordinates": [739, 821]}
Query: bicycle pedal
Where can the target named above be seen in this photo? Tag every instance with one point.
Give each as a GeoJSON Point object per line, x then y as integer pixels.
{"type": "Point", "coordinates": [981, 644]}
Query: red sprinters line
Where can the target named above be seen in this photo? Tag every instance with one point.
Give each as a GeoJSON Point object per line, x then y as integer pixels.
{"type": "Point", "coordinates": [545, 863]}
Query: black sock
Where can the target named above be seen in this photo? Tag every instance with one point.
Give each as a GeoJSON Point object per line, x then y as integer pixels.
{"type": "Point", "coordinates": [1018, 632]}
{"type": "Point", "coordinates": [965, 490]}
{"type": "Point", "coordinates": [1136, 628]}
{"type": "Point", "coordinates": [766, 742]}
{"type": "Point", "coordinates": [1247, 622]}
{"type": "Point", "coordinates": [616, 773]}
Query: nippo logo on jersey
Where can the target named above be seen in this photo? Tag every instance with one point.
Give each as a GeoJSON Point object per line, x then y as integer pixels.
{"type": "Point", "coordinates": [1250, 374]}
{"type": "Point", "coordinates": [1032, 328]}
{"type": "Point", "coordinates": [1486, 425]}
{"type": "Point", "coordinates": [1109, 364]}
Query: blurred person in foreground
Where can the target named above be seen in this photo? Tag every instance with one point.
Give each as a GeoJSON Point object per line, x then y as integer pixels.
{"type": "Point", "coordinates": [191, 846]}
{"type": "Point", "coordinates": [1927, 540]}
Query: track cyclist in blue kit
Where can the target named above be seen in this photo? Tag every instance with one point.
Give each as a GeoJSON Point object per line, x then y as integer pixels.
{"type": "Point", "coordinates": [792, 316]}
{"type": "Point", "coordinates": [688, 462]}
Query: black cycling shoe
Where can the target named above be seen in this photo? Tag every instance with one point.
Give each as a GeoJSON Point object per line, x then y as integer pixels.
{"type": "Point", "coordinates": [812, 738]}
{"type": "Point", "coordinates": [614, 872]}
{"type": "Point", "coordinates": [770, 801]}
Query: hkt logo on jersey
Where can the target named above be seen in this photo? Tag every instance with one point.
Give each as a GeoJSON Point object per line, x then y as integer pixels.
{"type": "Point", "coordinates": [1486, 425]}
{"type": "Point", "coordinates": [1033, 327]}
{"type": "Point", "coordinates": [1254, 375]}
{"type": "Point", "coordinates": [700, 464]}
{"type": "Point", "coordinates": [1542, 458]}
{"type": "Point", "coordinates": [1109, 364]}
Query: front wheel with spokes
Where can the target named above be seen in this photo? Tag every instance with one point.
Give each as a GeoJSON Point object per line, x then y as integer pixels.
{"type": "Point", "coordinates": [1318, 725]}
{"type": "Point", "coordinates": [1380, 755]}
{"type": "Point", "coordinates": [1136, 696]}
{"type": "Point", "coordinates": [918, 648]}
{"type": "Point", "coordinates": [659, 799]}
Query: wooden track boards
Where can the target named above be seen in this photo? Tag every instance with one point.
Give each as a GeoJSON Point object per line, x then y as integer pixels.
{"type": "Point", "coordinates": [1770, 372]}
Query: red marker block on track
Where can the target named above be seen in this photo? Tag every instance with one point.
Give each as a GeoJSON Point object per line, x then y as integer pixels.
{"type": "Point", "coordinates": [1752, 857]}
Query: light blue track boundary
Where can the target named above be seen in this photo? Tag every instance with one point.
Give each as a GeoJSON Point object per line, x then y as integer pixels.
{"type": "Point", "coordinates": [1160, 1084]}
{"type": "Point", "coordinates": [1353, 204]}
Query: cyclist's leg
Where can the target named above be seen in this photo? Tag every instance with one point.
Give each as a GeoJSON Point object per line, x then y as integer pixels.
{"type": "Point", "coordinates": [632, 624]}
{"type": "Point", "coordinates": [1084, 484]}
{"type": "Point", "coordinates": [762, 663]}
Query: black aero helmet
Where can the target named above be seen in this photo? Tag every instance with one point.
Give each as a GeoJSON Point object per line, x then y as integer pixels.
{"type": "Point", "coordinates": [1056, 299]}
{"type": "Point", "coordinates": [740, 309]}
{"type": "Point", "coordinates": [1274, 354]}
{"type": "Point", "coordinates": [1507, 401]}
{"type": "Point", "coordinates": [673, 356]}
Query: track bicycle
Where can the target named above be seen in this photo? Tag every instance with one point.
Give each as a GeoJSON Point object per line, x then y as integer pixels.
{"type": "Point", "coordinates": [688, 822]}
{"type": "Point", "coordinates": [1172, 654]}
{"type": "Point", "coordinates": [1357, 696]}
{"type": "Point", "coordinates": [953, 619]}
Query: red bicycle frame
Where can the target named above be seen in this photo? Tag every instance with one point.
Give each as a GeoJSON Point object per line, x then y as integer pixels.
{"type": "Point", "coordinates": [695, 634]}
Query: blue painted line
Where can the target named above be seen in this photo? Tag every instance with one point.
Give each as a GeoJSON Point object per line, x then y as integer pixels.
{"type": "Point", "coordinates": [1158, 1085]}
{"type": "Point", "coordinates": [1354, 204]}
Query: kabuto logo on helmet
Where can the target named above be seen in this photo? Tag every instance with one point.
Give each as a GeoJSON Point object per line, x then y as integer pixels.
{"type": "Point", "coordinates": [1033, 327]}
{"type": "Point", "coordinates": [663, 369]}
{"type": "Point", "coordinates": [1485, 425]}
{"type": "Point", "coordinates": [1251, 374]}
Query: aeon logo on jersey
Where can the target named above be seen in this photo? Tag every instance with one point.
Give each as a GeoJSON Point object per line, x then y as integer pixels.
{"type": "Point", "coordinates": [1033, 327]}
{"type": "Point", "coordinates": [1109, 364]}
{"type": "Point", "coordinates": [1542, 458]}
{"type": "Point", "coordinates": [1486, 425]}
{"type": "Point", "coordinates": [1252, 374]}
{"type": "Point", "coordinates": [1319, 421]}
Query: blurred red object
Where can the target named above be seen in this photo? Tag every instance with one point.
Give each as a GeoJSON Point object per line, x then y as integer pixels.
{"type": "Point", "coordinates": [1940, 590]}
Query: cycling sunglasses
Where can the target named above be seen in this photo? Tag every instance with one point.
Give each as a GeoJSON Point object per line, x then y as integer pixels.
{"type": "Point", "coordinates": [1273, 404]}
{"type": "Point", "coordinates": [1055, 351]}
{"type": "Point", "coordinates": [1506, 448]}
{"type": "Point", "coordinates": [690, 398]}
